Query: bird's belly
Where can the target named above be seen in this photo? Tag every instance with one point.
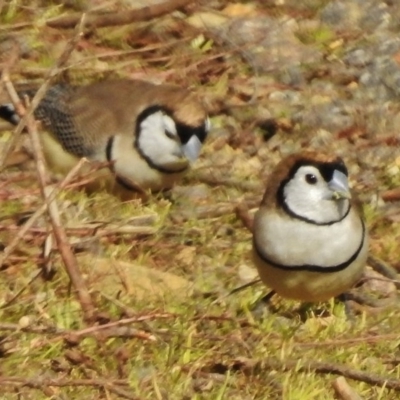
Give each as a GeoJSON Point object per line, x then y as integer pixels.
{"type": "Point", "coordinates": [310, 285]}
{"type": "Point", "coordinates": [308, 262]}
{"type": "Point", "coordinates": [135, 169]}
{"type": "Point", "coordinates": [59, 160]}
{"type": "Point", "coordinates": [156, 181]}
{"type": "Point", "coordinates": [142, 177]}
{"type": "Point", "coordinates": [291, 242]}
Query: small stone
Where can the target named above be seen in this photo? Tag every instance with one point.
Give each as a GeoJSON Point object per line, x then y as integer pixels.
{"type": "Point", "coordinates": [24, 322]}
{"type": "Point", "coordinates": [286, 96]}
{"type": "Point", "coordinates": [358, 57]}
{"type": "Point", "coordinates": [377, 283]}
{"type": "Point", "coordinates": [246, 273]}
{"type": "Point", "coordinates": [206, 20]}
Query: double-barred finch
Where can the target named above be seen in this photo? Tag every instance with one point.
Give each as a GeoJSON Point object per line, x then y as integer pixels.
{"type": "Point", "coordinates": [310, 242]}
{"type": "Point", "coordinates": [149, 133]}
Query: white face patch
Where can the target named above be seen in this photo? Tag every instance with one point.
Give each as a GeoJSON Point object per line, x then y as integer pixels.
{"type": "Point", "coordinates": [159, 144]}
{"type": "Point", "coordinates": [311, 198]}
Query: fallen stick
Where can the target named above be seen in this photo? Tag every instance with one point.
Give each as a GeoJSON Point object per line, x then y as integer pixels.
{"type": "Point", "coordinates": [112, 385]}
{"type": "Point", "coordinates": [64, 247]}
{"type": "Point", "coordinates": [38, 213]}
{"type": "Point", "coordinates": [343, 390]}
{"type": "Point", "coordinates": [60, 64]}
{"type": "Point", "coordinates": [391, 195]}
{"type": "Point", "coordinates": [119, 18]}
{"type": "Point", "coordinates": [70, 262]}
{"type": "Point", "coordinates": [251, 366]}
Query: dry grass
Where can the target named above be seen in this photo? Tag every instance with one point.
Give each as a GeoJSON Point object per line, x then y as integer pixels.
{"type": "Point", "coordinates": [194, 342]}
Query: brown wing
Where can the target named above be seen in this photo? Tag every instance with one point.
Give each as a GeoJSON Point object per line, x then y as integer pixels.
{"type": "Point", "coordinates": [84, 118]}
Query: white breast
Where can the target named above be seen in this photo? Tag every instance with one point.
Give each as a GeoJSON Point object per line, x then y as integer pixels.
{"type": "Point", "coordinates": [292, 242]}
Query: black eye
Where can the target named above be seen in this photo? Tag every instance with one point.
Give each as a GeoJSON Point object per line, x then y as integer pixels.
{"type": "Point", "coordinates": [170, 134]}
{"type": "Point", "coordinates": [311, 179]}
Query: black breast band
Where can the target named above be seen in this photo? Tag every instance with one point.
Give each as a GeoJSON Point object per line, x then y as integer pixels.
{"type": "Point", "coordinates": [310, 267]}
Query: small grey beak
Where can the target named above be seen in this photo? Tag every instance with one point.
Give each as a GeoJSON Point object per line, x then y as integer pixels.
{"type": "Point", "coordinates": [339, 186]}
{"type": "Point", "coordinates": [192, 148]}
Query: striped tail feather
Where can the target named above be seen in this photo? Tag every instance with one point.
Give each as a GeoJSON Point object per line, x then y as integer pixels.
{"type": "Point", "coordinates": [8, 113]}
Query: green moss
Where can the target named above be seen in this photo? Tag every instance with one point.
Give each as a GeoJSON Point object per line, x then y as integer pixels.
{"type": "Point", "coordinates": [201, 339]}
{"type": "Point", "coordinates": [320, 36]}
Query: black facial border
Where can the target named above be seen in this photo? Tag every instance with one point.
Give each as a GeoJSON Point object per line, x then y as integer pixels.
{"type": "Point", "coordinates": [185, 132]}
{"type": "Point", "coordinates": [326, 170]}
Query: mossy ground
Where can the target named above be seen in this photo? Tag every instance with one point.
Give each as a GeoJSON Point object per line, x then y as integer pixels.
{"type": "Point", "coordinates": [202, 339]}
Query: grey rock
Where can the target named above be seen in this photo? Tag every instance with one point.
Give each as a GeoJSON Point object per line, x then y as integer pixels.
{"type": "Point", "coordinates": [358, 57]}
{"type": "Point", "coordinates": [286, 96]}
{"type": "Point", "coordinates": [336, 13]}
{"type": "Point", "coordinates": [292, 76]}
{"type": "Point", "coordinates": [386, 45]}
{"type": "Point", "coordinates": [271, 45]}
{"type": "Point", "coordinates": [356, 14]}
{"type": "Point", "coordinates": [375, 15]}
{"type": "Point", "coordinates": [332, 116]}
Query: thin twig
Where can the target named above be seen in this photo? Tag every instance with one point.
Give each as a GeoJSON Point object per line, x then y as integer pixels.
{"type": "Point", "coordinates": [212, 179]}
{"type": "Point", "coordinates": [54, 71]}
{"type": "Point", "coordinates": [39, 212]}
{"type": "Point", "coordinates": [13, 57]}
{"type": "Point", "coordinates": [92, 230]}
{"type": "Point", "coordinates": [352, 341]}
{"type": "Point", "coordinates": [64, 247]}
{"type": "Point", "coordinates": [245, 286]}
{"type": "Point", "coordinates": [210, 211]}
{"type": "Point", "coordinates": [5, 326]}
{"type": "Point", "coordinates": [119, 18]}
{"type": "Point", "coordinates": [14, 27]}
{"type": "Point", "coordinates": [16, 296]}
{"type": "Point", "coordinates": [391, 195]}
{"type": "Point", "coordinates": [384, 269]}
{"type": "Point", "coordinates": [343, 390]}
{"type": "Point", "coordinates": [121, 322]}
{"type": "Point", "coordinates": [111, 329]}
{"type": "Point", "coordinates": [38, 383]}
{"type": "Point", "coordinates": [242, 212]}
{"type": "Point", "coordinates": [250, 366]}
{"type": "Point", "coordinates": [127, 332]}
